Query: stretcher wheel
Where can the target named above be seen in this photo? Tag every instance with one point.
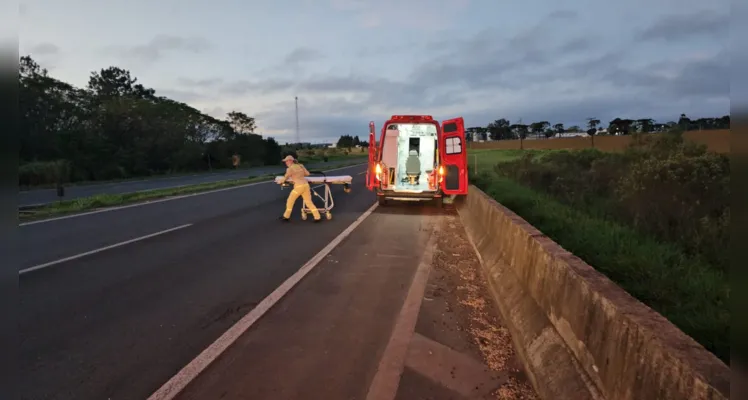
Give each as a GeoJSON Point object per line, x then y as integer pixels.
{"type": "Point", "coordinates": [328, 215]}
{"type": "Point", "coordinates": [303, 216]}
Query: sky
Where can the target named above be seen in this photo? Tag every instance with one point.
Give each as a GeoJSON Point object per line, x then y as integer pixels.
{"type": "Point", "coordinates": [354, 61]}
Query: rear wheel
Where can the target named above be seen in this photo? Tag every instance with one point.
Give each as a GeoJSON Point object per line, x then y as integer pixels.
{"type": "Point", "coordinates": [382, 201]}
{"type": "Point", "coordinates": [439, 201]}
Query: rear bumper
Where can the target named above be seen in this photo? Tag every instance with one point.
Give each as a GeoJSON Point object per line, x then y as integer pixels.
{"type": "Point", "coordinates": [408, 196]}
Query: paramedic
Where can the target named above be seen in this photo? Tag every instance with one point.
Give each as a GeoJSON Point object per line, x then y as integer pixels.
{"type": "Point", "coordinates": [296, 173]}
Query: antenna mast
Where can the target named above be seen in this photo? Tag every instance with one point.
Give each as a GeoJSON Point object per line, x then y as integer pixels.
{"type": "Point", "coordinates": [298, 138]}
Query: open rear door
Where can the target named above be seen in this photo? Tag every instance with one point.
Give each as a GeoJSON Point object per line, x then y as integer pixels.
{"type": "Point", "coordinates": [453, 157]}
{"type": "Point", "coordinates": [370, 173]}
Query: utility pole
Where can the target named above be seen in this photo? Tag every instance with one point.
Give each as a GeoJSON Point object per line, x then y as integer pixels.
{"type": "Point", "coordinates": [298, 138]}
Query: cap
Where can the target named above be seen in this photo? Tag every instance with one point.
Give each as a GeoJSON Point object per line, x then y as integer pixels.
{"type": "Point", "coordinates": [288, 158]}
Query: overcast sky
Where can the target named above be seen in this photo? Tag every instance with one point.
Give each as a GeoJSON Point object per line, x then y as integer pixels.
{"type": "Point", "coordinates": [352, 61]}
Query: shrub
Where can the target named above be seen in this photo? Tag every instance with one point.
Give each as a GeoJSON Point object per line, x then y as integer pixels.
{"type": "Point", "coordinates": [661, 185]}
{"type": "Point", "coordinates": [682, 199]}
{"type": "Point", "coordinates": [44, 173]}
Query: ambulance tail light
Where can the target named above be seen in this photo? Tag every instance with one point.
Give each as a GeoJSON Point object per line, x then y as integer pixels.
{"type": "Point", "coordinates": [441, 173]}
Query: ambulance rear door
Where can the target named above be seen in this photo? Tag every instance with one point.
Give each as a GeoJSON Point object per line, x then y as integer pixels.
{"type": "Point", "coordinates": [453, 157]}
{"type": "Point", "coordinates": [370, 171]}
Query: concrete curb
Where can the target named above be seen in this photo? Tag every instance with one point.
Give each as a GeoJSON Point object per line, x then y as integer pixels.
{"type": "Point", "coordinates": [578, 334]}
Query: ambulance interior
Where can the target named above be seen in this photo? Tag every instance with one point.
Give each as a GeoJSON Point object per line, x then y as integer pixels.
{"type": "Point", "coordinates": [409, 154]}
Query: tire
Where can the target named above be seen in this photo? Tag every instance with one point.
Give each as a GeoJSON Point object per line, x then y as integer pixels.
{"type": "Point", "coordinates": [439, 201]}
{"type": "Point", "coordinates": [382, 201]}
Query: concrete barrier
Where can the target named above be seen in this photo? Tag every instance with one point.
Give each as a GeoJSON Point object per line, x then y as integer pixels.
{"type": "Point", "coordinates": [579, 335]}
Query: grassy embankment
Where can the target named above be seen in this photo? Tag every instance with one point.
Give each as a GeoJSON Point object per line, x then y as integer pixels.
{"type": "Point", "coordinates": [112, 200]}
{"type": "Point", "coordinates": [654, 219]}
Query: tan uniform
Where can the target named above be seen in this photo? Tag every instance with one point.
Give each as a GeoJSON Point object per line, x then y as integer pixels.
{"type": "Point", "coordinates": [296, 173]}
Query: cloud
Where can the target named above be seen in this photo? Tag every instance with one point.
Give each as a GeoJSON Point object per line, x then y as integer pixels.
{"type": "Point", "coordinates": [160, 46]}
{"type": "Point", "coordinates": [563, 14]}
{"type": "Point", "coordinates": [302, 55]}
{"type": "Point", "coordinates": [43, 49]}
{"type": "Point", "coordinates": [562, 66]}
{"type": "Point", "coordinates": [200, 83]}
{"type": "Point", "coordinates": [432, 15]}
{"type": "Point", "coordinates": [679, 27]}
{"type": "Point", "coordinates": [184, 96]}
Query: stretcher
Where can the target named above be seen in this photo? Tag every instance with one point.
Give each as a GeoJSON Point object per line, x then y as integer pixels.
{"type": "Point", "coordinates": [323, 182]}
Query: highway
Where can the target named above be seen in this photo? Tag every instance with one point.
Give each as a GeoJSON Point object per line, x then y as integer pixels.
{"type": "Point", "coordinates": [43, 196]}
{"type": "Point", "coordinates": [118, 304]}
{"type": "Point", "coordinates": [118, 323]}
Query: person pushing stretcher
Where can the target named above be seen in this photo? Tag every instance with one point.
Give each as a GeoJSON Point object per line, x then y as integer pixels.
{"type": "Point", "coordinates": [297, 174]}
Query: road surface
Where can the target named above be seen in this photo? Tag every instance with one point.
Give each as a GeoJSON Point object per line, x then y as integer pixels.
{"type": "Point", "coordinates": [115, 304]}
{"type": "Point", "coordinates": [43, 196]}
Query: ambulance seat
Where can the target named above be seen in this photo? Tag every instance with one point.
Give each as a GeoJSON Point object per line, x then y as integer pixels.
{"type": "Point", "coordinates": [413, 167]}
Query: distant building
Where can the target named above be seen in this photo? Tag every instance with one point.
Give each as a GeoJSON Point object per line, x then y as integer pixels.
{"type": "Point", "coordinates": [570, 134]}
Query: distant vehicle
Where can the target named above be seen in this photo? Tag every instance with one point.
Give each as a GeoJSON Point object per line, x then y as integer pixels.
{"type": "Point", "coordinates": [417, 159]}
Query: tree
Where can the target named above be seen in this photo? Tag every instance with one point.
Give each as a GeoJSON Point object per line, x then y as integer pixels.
{"type": "Point", "coordinates": [592, 132]}
{"type": "Point", "coordinates": [116, 82]}
{"type": "Point", "coordinates": [117, 128]}
{"type": "Point", "coordinates": [521, 131]}
{"type": "Point", "coordinates": [644, 125]}
{"type": "Point", "coordinates": [346, 141]}
{"type": "Point", "coordinates": [574, 128]}
{"type": "Point", "coordinates": [499, 130]}
{"type": "Point", "coordinates": [620, 126]}
{"type": "Point", "coordinates": [684, 122]}
{"type": "Point", "coordinates": [592, 123]}
{"type": "Point", "coordinates": [241, 123]}
{"type": "Point", "coordinates": [538, 128]}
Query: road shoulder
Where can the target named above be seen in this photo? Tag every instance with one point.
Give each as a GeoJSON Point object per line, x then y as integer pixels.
{"type": "Point", "coordinates": [460, 349]}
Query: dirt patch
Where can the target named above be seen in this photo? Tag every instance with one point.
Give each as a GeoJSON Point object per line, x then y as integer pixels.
{"type": "Point", "coordinates": [717, 140]}
{"type": "Point", "coordinates": [468, 297]}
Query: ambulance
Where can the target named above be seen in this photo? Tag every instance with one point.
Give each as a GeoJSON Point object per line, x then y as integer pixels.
{"type": "Point", "coordinates": [417, 159]}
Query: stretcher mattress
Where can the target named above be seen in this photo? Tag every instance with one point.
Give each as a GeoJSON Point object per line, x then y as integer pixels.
{"type": "Point", "coordinates": [336, 180]}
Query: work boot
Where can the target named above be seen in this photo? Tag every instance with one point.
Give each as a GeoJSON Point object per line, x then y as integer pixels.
{"type": "Point", "coordinates": [317, 220]}
{"type": "Point", "coordinates": [284, 219]}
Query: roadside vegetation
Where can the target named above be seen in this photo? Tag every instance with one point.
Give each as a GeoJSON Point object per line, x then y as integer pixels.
{"type": "Point", "coordinates": [115, 128]}
{"type": "Point", "coordinates": [653, 218]}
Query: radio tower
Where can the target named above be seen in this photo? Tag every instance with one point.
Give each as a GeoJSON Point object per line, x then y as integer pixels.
{"type": "Point", "coordinates": [298, 138]}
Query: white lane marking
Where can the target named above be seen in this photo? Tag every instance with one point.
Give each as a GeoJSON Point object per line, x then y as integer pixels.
{"type": "Point", "coordinates": [179, 381]}
{"type": "Point", "coordinates": [387, 378]}
{"type": "Point", "coordinates": [145, 203]}
{"type": "Point", "coordinates": [88, 253]}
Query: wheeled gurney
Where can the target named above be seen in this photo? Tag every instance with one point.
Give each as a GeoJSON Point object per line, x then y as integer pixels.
{"type": "Point", "coordinates": [322, 181]}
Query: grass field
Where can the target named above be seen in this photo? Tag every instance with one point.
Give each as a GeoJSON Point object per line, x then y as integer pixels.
{"type": "Point", "coordinates": [687, 290]}
{"type": "Point", "coordinates": [715, 140]}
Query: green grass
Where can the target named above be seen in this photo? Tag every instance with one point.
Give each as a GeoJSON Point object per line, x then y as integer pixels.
{"type": "Point", "coordinates": [112, 200]}
{"type": "Point", "coordinates": [688, 292]}
{"type": "Point", "coordinates": [486, 159]}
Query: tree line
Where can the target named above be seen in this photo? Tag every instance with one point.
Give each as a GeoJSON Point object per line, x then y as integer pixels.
{"type": "Point", "coordinates": [349, 141]}
{"type": "Point", "coordinates": [117, 128]}
{"type": "Point", "coordinates": [502, 129]}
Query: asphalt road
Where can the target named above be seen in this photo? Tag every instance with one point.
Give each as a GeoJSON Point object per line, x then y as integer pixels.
{"type": "Point", "coordinates": [43, 196]}
{"type": "Point", "coordinates": [118, 323]}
